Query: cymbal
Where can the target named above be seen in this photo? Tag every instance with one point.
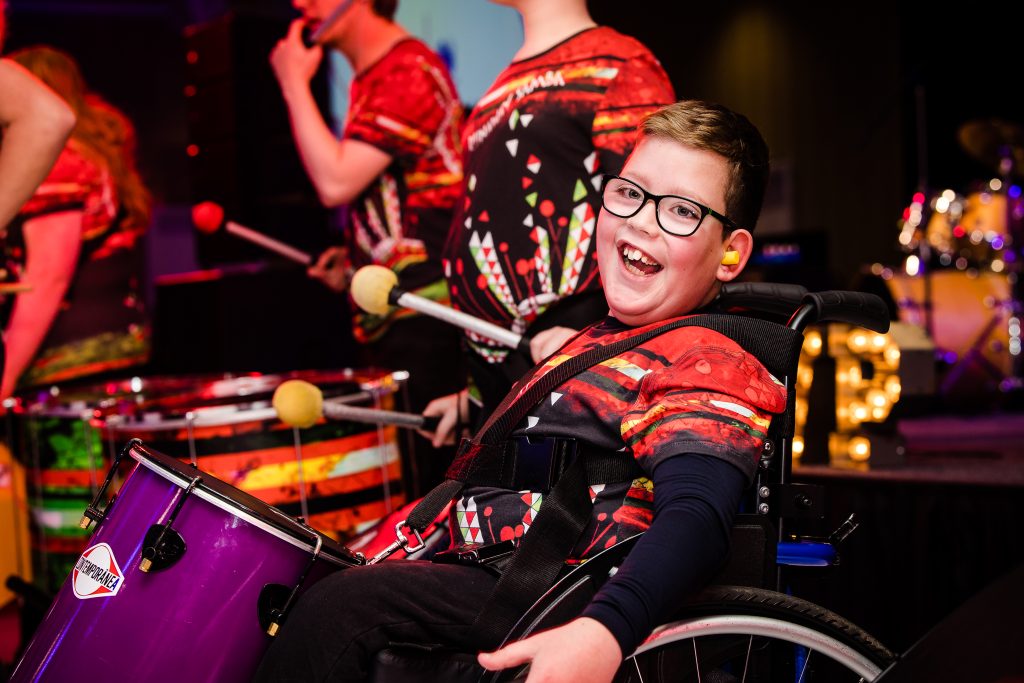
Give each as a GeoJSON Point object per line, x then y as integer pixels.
{"type": "Point", "coordinates": [992, 140]}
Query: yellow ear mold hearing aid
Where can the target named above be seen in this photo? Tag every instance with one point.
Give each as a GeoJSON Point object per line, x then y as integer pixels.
{"type": "Point", "coordinates": [730, 258]}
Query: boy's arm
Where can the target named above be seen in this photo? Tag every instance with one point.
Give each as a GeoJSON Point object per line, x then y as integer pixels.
{"type": "Point", "coordinates": [696, 497]}
{"type": "Point", "coordinates": [695, 502]}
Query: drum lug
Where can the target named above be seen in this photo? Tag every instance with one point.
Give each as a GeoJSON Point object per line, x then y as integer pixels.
{"type": "Point", "coordinates": [163, 546]}
{"type": "Point", "coordinates": [271, 606]}
{"type": "Point", "coordinates": [93, 513]}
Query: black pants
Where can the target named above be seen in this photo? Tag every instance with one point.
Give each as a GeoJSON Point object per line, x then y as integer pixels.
{"type": "Point", "coordinates": [342, 621]}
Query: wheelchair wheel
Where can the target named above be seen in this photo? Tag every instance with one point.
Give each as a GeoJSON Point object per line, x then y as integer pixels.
{"type": "Point", "coordinates": [746, 634]}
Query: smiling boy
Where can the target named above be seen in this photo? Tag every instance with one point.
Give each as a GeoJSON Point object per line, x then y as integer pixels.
{"type": "Point", "coordinates": [690, 407]}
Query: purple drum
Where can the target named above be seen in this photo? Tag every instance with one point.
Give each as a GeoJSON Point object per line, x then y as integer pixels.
{"type": "Point", "coordinates": [185, 579]}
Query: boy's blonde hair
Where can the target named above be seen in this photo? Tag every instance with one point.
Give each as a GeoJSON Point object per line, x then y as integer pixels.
{"type": "Point", "coordinates": [712, 127]}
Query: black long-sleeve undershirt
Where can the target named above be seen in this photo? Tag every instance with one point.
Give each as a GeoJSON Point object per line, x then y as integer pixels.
{"type": "Point", "coordinates": [695, 501]}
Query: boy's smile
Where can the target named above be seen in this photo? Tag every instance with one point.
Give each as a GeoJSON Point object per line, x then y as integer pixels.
{"type": "Point", "coordinates": [648, 274]}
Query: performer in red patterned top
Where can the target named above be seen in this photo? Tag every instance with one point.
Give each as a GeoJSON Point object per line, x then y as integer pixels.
{"type": "Point", "coordinates": [521, 250]}
{"type": "Point", "coordinates": [398, 169]}
{"type": "Point", "coordinates": [77, 243]}
{"type": "Point", "coordinates": [690, 408]}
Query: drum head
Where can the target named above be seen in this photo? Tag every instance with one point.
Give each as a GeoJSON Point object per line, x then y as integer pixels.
{"type": "Point", "coordinates": [174, 395]}
{"type": "Point", "coordinates": [242, 505]}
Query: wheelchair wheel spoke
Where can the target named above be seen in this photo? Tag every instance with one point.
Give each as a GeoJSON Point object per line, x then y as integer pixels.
{"type": "Point", "coordinates": [806, 663]}
{"type": "Point", "coordinates": [639, 674]}
{"type": "Point", "coordinates": [696, 659]}
{"type": "Point", "coordinates": [746, 660]}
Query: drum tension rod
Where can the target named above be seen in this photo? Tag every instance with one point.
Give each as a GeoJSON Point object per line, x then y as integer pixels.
{"type": "Point", "coordinates": [165, 546]}
{"type": "Point", "coordinates": [93, 513]}
{"type": "Point", "coordinates": [275, 615]}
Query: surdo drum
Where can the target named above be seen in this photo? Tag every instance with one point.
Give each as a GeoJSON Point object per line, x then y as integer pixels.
{"type": "Point", "coordinates": [186, 578]}
{"type": "Point", "coordinates": [341, 477]}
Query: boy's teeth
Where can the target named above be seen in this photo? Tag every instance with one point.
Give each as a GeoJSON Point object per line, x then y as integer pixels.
{"type": "Point", "coordinates": [637, 255]}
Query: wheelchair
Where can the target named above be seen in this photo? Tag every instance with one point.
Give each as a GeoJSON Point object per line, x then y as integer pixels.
{"type": "Point", "coordinates": [743, 626]}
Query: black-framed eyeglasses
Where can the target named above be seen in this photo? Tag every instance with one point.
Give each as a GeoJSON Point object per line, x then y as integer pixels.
{"type": "Point", "coordinates": [676, 215]}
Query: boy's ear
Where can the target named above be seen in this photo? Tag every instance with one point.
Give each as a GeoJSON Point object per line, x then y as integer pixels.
{"type": "Point", "coordinates": [736, 250]}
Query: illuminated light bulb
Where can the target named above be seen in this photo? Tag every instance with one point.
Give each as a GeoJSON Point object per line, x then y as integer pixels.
{"type": "Point", "coordinates": [995, 184]}
{"type": "Point", "coordinates": [879, 414]}
{"type": "Point", "coordinates": [879, 341]}
{"type": "Point", "coordinates": [877, 398]}
{"type": "Point", "coordinates": [942, 203]}
{"type": "Point", "coordinates": [858, 412]}
{"type": "Point", "coordinates": [805, 376]}
{"type": "Point", "coordinates": [859, 449]}
{"type": "Point", "coordinates": [997, 266]}
{"type": "Point", "coordinates": [813, 343]}
{"type": "Point", "coordinates": [912, 266]}
{"type": "Point", "coordinates": [892, 355]}
{"type": "Point", "coordinates": [857, 342]}
{"type": "Point", "coordinates": [798, 446]}
{"type": "Point", "coordinates": [801, 411]}
{"type": "Point", "coordinates": [854, 375]}
{"type": "Point", "coordinates": [893, 387]}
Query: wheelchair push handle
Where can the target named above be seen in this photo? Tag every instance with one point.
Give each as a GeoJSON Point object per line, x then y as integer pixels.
{"type": "Point", "coordinates": [768, 297]}
{"type": "Point", "coordinates": [857, 308]}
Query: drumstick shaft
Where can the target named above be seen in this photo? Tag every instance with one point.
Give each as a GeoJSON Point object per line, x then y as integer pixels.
{"type": "Point", "coordinates": [340, 411]}
{"type": "Point", "coordinates": [329, 21]}
{"type": "Point", "coordinates": [268, 243]}
{"type": "Point", "coordinates": [463, 320]}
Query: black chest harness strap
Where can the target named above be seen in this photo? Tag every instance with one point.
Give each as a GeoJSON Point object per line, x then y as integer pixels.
{"type": "Point", "coordinates": [487, 459]}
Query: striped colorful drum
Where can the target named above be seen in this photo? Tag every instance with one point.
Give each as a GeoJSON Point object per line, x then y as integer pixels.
{"type": "Point", "coordinates": [64, 459]}
{"type": "Point", "coordinates": [340, 477]}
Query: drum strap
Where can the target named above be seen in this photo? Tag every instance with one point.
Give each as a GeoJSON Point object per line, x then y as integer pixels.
{"type": "Point", "coordinates": [567, 508]}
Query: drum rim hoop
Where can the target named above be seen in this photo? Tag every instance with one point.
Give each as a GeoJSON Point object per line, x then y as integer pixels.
{"type": "Point", "coordinates": [328, 551]}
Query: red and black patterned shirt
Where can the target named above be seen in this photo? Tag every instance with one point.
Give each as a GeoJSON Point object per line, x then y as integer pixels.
{"type": "Point", "coordinates": [536, 144]}
{"type": "Point", "coordinates": [689, 390]}
{"type": "Point", "coordinates": [406, 105]}
{"type": "Point", "coordinates": [101, 324]}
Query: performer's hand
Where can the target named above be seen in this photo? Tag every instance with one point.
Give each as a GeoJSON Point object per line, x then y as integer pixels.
{"type": "Point", "coordinates": [448, 408]}
{"type": "Point", "coordinates": [582, 650]}
{"type": "Point", "coordinates": [546, 342]}
{"type": "Point", "coordinates": [294, 64]}
{"type": "Point", "coordinates": [333, 269]}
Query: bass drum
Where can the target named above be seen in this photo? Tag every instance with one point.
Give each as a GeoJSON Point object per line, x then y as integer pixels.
{"type": "Point", "coordinates": [970, 323]}
{"type": "Point", "coordinates": [341, 477]}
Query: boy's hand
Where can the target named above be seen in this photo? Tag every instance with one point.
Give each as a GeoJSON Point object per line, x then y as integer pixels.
{"type": "Point", "coordinates": [448, 408]}
{"type": "Point", "coordinates": [546, 342]}
{"type": "Point", "coordinates": [333, 269]}
{"type": "Point", "coordinates": [582, 650]}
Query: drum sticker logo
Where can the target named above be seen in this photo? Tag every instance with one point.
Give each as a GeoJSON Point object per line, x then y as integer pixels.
{"type": "Point", "coordinates": [96, 574]}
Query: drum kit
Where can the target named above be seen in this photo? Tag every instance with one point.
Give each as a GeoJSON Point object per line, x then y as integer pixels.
{"type": "Point", "coordinates": [208, 524]}
{"type": "Point", "coordinates": [961, 279]}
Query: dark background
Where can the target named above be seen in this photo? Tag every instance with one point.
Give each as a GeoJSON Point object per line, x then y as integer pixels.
{"type": "Point", "coordinates": [860, 104]}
